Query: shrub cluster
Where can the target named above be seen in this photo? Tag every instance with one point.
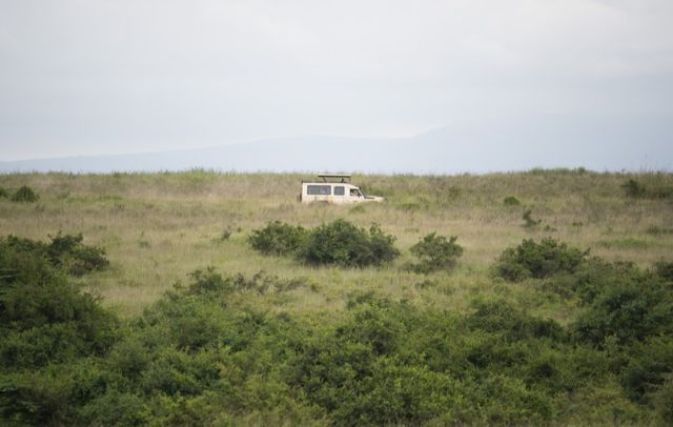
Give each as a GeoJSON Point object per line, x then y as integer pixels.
{"type": "Point", "coordinates": [65, 251]}
{"type": "Point", "coordinates": [511, 201]}
{"type": "Point", "coordinates": [75, 257]}
{"type": "Point", "coordinates": [47, 324]}
{"type": "Point", "coordinates": [197, 357]}
{"type": "Point", "coordinates": [278, 238]}
{"type": "Point", "coordinates": [538, 260]}
{"type": "Point", "coordinates": [654, 190]}
{"type": "Point", "coordinates": [25, 194]}
{"type": "Point", "coordinates": [626, 312]}
{"type": "Point", "coordinates": [436, 253]}
{"type": "Point", "coordinates": [344, 244]}
{"type": "Point", "coordinates": [336, 243]}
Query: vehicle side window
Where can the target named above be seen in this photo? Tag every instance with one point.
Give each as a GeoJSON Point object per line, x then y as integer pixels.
{"type": "Point", "coordinates": [318, 190]}
{"type": "Point", "coordinates": [339, 190]}
{"type": "Point", "coordinates": [355, 192]}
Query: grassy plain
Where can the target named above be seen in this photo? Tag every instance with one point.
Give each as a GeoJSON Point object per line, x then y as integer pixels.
{"type": "Point", "coordinates": [158, 228]}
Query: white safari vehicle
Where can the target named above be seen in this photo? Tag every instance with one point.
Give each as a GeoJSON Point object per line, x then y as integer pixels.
{"type": "Point", "coordinates": [336, 189]}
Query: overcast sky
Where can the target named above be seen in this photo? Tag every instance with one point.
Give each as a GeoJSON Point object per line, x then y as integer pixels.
{"type": "Point", "coordinates": [114, 76]}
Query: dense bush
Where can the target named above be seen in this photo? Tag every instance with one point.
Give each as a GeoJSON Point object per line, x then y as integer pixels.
{"type": "Point", "coordinates": [76, 258]}
{"type": "Point", "coordinates": [634, 189]}
{"type": "Point", "coordinates": [25, 194]}
{"type": "Point", "coordinates": [344, 244]}
{"type": "Point", "coordinates": [655, 189]}
{"type": "Point", "coordinates": [43, 317]}
{"type": "Point", "coordinates": [202, 356]}
{"type": "Point", "coordinates": [278, 238]}
{"type": "Point", "coordinates": [436, 253]}
{"type": "Point", "coordinates": [4, 194]}
{"type": "Point", "coordinates": [664, 270]}
{"type": "Point", "coordinates": [64, 251]}
{"type": "Point", "coordinates": [538, 260]}
{"type": "Point", "coordinates": [196, 358]}
{"type": "Point", "coordinates": [632, 308]}
{"type": "Point", "coordinates": [48, 326]}
{"type": "Point", "coordinates": [339, 243]}
{"type": "Point", "coordinates": [511, 201]}
{"type": "Point", "coordinates": [528, 221]}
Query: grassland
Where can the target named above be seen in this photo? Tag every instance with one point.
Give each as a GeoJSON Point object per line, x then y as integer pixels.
{"type": "Point", "coordinates": [331, 345]}
{"type": "Point", "coordinates": [157, 228]}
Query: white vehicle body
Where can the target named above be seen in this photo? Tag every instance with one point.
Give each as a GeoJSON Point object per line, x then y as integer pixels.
{"type": "Point", "coordinates": [334, 192]}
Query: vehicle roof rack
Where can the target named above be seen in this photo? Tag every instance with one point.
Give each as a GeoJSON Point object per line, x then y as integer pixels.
{"type": "Point", "coordinates": [341, 178]}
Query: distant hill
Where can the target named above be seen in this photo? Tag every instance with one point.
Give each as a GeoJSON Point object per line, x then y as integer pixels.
{"type": "Point", "coordinates": [598, 144]}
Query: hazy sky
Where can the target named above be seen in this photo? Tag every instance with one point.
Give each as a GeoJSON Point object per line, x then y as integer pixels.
{"type": "Point", "coordinates": [113, 76]}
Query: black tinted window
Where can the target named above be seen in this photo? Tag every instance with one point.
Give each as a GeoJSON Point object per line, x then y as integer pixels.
{"type": "Point", "coordinates": [339, 190]}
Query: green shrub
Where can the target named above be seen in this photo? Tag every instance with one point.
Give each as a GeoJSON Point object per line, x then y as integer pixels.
{"type": "Point", "coordinates": [76, 258]}
{"type": "Point", "coordinates": [25, 194]}
{"type": "Point", "coordinates": [278, 238]}
{"type": "Point", "coordinates": [4, 194]}
{"type": "Point", "coordinates": [66, 252]}
{"type": "Point", "coordinates": [662, 399]}
{"type": "Point", "coordinates": [538, 260]}
{"type": "Point", "coordinates": [499, 316]}
{"type": "Point", "coordinates": [43, 317]}
{"type": "Point", "coordinates": [664, 270]}
{"type": "Point", "coordinates": [344, 244]}
{"type": "Point", "coordinates": [529, 222]}
{"type": "Point", "coordinates": [628, 310]}
{"type": "Point", "coordinates": [648, 364]}
{"type": "Point", "coordinates": [511, 201]}
{"type": "Point", "coordinates": [436, 253]}
{"type": "Point", "coordinates": [656, 189]}
{"type": "Point", "coordinates": [634, 189]}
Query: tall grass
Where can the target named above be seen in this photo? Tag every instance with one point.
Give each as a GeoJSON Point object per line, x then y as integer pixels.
{"type": "Point", "coordinates": [156, 228]}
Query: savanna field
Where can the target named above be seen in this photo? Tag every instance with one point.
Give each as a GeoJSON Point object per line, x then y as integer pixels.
{"type": "Point", "coordinates": [183, 305]}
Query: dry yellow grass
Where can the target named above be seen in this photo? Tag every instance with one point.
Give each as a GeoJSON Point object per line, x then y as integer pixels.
{"type": "Point", "coordinates": [157, 228]}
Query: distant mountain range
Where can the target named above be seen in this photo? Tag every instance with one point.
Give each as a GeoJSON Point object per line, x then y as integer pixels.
{"type": "Point", "coordinates": [596, 144]}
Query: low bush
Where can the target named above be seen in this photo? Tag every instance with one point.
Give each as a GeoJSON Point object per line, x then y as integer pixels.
{"type": "Point", "coordinates": [662, 399]}
{"type": "Point", "coordinates": [655, 189]}
{"type": "Point", "coordinates": [43, 317]}
{"type": "Point", "coordinates": [436, 253]}
{"type": "Point", "coordinates": [629, 309]}
{"type": "Point", "coordinates": [634, 189]}
{"type": "Point", "coordinates": [511, 201]}
{"type": "Point", "coordinates": [4, 194]}
{"type": "Point", "coordinates": [68, 251]}
{"type": "Point", "coordinates": [664, 270]}
{"type": "Point", "coordinates": [344, 244]}
{"type": "Point", "coordinates": [528, 221]}
{"type": "Point", "coordinates": [25, 194]}
{"type": "Point", "coordinates": [278, 238]}
{"type": "Point", "coordinates": [538, 260]}
{"type": "Point", "coordinates": [647, 366]}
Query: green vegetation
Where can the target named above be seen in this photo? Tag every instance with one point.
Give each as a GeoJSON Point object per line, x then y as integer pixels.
{"type": "Point", "coordinates": [24, 194]}
{"type": "Point", "coordinates": [538, 260]}
{"type": "Point", "coordinates": [65, 251]}
{"type": "Point", "coordinates": [339, 243]}
{"type": "Point", "coordinates": [278, 238]}
{"type": "Point", "coordinates": [176, 324]}
{"type": "Point", "coordinates": [528, 221]}
{"type": "Point", "coordinates": [436, 253]}
{"type": "Point", "coordinates": [344, 244]}
{"type": "Point", "coordinates": [511, 201]}
{"type": "Point", "coordinates": [199, 357]}
{"type": "Point", "coordinates": [655, 188]}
